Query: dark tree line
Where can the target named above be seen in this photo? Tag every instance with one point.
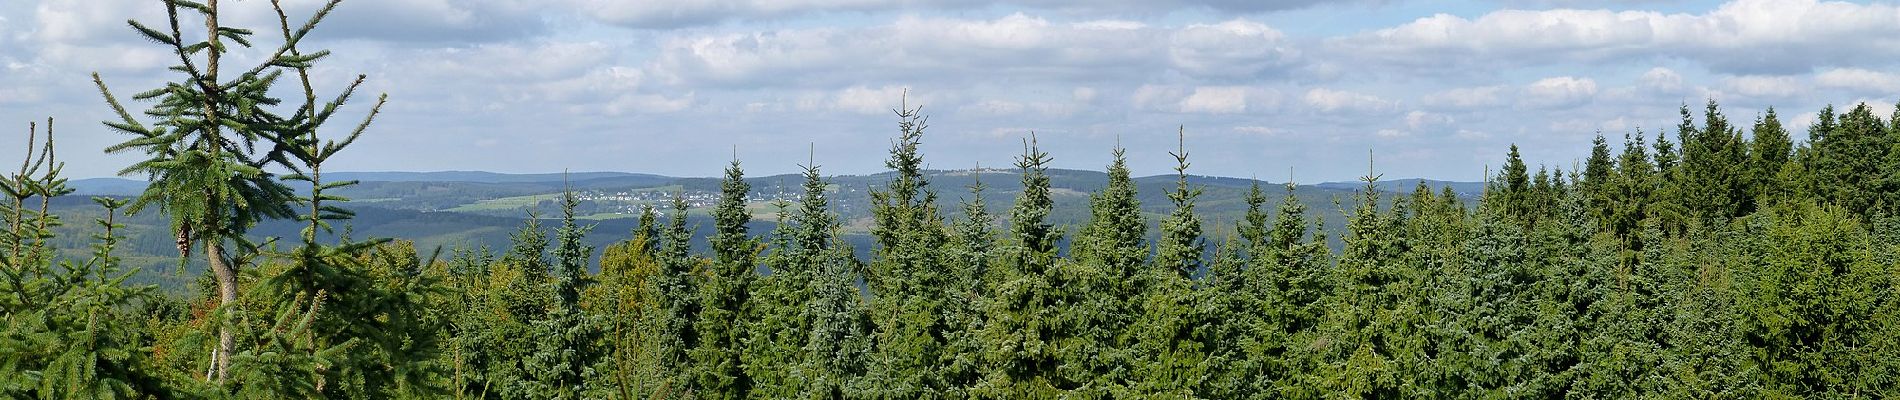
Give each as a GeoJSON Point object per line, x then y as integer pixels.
{"type": "Point", "coordinates": [1730, 262]}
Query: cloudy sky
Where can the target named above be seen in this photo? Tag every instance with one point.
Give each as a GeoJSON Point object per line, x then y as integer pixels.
{"type": "Point", "coordinates": [1264, 88]}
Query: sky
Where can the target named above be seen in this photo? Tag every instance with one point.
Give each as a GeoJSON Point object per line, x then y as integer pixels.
{"type": "Point", "coordinates": [1274, 89]}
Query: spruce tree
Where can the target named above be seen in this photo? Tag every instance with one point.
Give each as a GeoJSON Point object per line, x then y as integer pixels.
{"type": "Point", "coordinates": [565, 352]}
{"type": "Point", "coordinates": [776, 334]}
{"type": "Point", "coordinates": [1599, 175]}
{"type": "Point", "coordinates": [1514, 186]}
{"type": "Point", "coordinates": [1850, 154]}
{"type": "Point", "coordinates": [67, 328]}
{"type": "Point", "coordinates": [1239, 286]}
{"type": "Point", "coordinates": [724, 294]}
{"type": "Point", "coordinates": [1114, 244]}
{"type": "Point", "coordinates": [1714, 167]}
{"type": "Point", "coordinates": [837, 343]}
{"type": "Point", "coordinates": [969, 258]}
{"type": "Point", "coordinates": [1769, 151]}
{"type": "Point", "coordinates": [1181, 244]}
{"type": "Point", "coordinates": [1031, 346]}
{"type": "Point", "coordinates": [907, 275]}
{"type": "Point", "coordinates": [672, 292]}
{"type": "Point", "coordinates": [213, 139]}
{"type": "Point", "coordinates": [1169, 360]}
{"type": "Point", "coordinates": [1360, 334]}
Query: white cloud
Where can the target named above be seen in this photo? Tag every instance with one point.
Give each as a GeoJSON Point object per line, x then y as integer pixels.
{"type": "Point", "coordinates": [1663, 79]}
{"type": "Point", "coordinates": [1204, 99]}
{"type": "Point", "coordinates": [1019, 46]}
{"type": "Point", "coordinates": [1739, 36]}
{"type": "Point", "coordinates": [1257, 130]}
{"type": "Point", "coordinates": [1563, 91]}
{"type": "Point", "coordinates": [865, 100]}
{"type": "Point", "coordinates": [911, 47]}
{"type": "Point", "coordinates": [1759, 86]}
{"type": "Point", "coordinates": [1234, 49]}
{"type": "Point", "coordinates": [1859, 80]}
{"type": "Point", "coordinates": [1421, 119]}
{"type": "Point", "coordinates": [682, 13]}
{"type": "Point", "coordinates": [1467, 98]}
{"type": "Point", "coordinates": [1329, 100]}
{"type": "Point", "coordinates": [1216, 100]}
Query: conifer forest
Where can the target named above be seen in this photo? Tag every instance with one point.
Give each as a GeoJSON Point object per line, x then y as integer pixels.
{"type": "Point", "coordinates": [1716, 259]}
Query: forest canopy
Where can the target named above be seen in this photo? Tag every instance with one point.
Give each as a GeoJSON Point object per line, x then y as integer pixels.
{"type": "Point", "coordinates": [1719, 259]}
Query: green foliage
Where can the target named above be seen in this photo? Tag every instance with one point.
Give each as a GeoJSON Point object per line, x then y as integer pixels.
{"type": "Point", "coordinates": [724, 294]}
{"type": "Point", "coordinates": [1726, 268]}
{"type": "Point", "coordinates": [1165, 343]}
{"type": "Point", "coordinates": [907, 275]}
{"type": "Point", "coordinates": [1031, 338]}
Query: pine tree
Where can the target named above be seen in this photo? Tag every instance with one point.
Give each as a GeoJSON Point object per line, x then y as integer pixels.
{"type": "Point", "coordinates": [1599, 175]}
{"type": "Point", "coordinates": [1170, 361]}
{"type": "Point", "coordinates": [723, 295]}
{"type": "Point", "coordinates": [837, 344]}
{"type": "Point", "coordinates": [969, 258]}
{"type": "Point", "coordinates": [67, 328]}
{"type": "Point", "coordinates": [1850, 153]}
{"type": "Point", "coordinates": [1031, 346]}
{"type": "Point", "coordinates": [207, 170]}
{"type": "Point", "coordinates": [1114, 245]}
{"type": "Point", "coordinates": [1514, 190]}
{"type": "Point", "coordinates": [673, 293]}
{"type": "Point", "coordinates": [566, 354]}
{"type": "Point", "coordinates": [907, 274]}
{"type": "Point", "coordinates": [776, 335]}
{"type": "Point", "coordinates": [1769, 151]}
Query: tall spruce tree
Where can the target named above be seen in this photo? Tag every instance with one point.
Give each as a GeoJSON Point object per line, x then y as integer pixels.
{"type": "Point", "coordinates": [1169, 360]}
{"type": "Point", "coordinates": [1031, 346]}
{"type": "Point", "coordinates": [1714, 167]}
{"type": "Point", "coordinates": [967, 292]}
{"type": "Point", "coordinates": [207, 170]}
{"type": "Point", "coordinates": [565, 349]}
{"type": "Point", "coordinates": [1360, 333]}
{"type": "Point", "coordinates": [1514, 186]}
{"type": "Point", "coordinates": [1850, 152]}
{"type": "Point", "coordinates": [1599, 176]}
{"type": "Point", "coordinates": [672, 291]}
{"type": "Point", "coordinates": [724, 295]}
{"type": "Point", "coordinates": [776, 334]}
{"type": "Point", "coordinates": [1769, 151]}
{"type": "Point", "coordinates": [1113, 243]}
{"type": "Point", "coordinates": [838, 342]}
{"type": "Point", "coordinates": [907, 275]}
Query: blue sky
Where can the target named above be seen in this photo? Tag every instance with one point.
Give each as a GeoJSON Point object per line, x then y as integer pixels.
{"type": "Point", "coordinates": [1273, 88]}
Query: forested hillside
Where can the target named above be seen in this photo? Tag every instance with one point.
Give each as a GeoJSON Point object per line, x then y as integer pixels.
{"type": "Point", "coordinates": [1720, 259]}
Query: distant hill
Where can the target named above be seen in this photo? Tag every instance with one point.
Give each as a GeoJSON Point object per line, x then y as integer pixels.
{"type": "Point", "coordinates": [485, 177]}
{"type": "Point", "coordinates": [106, 187]}
{"type": "Point", "coordinates": [476, 209]}
{"type": "Point", "coordinates": [1467, 189]}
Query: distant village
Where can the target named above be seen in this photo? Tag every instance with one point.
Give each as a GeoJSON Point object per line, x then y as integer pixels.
{"type": "Point", "coordinates": [635, 201]}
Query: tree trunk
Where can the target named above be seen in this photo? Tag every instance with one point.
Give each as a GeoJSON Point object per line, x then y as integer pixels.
{"type": "Point", "coordinates": [227, 298]}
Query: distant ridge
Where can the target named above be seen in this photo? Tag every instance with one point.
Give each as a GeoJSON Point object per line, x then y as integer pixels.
{"type": "Point", "coordinates": [593, 180]}
{"type": "Point", "coordinates": [1408, 184]}
{"type": "Point", "coordinates": [106, 187]}
{"type": "Point", "coordinates": [481, 176]}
